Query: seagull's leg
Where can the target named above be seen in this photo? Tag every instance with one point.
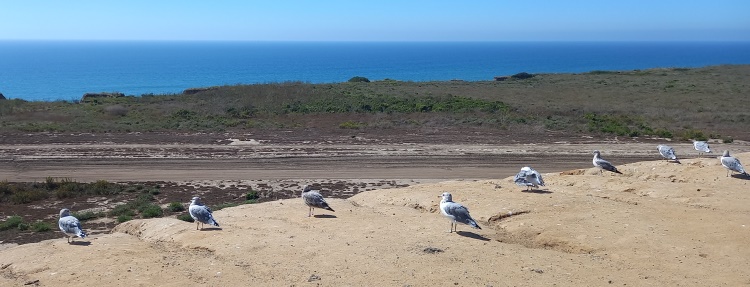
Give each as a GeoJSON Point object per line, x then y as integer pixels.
{"type": "Point", "coordinates": [451, 229]}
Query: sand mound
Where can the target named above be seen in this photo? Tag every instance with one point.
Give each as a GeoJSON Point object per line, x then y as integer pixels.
{"type": "Point", "coordinates": [661, 224]}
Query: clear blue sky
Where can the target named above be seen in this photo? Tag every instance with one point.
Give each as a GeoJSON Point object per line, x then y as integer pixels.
{"type": "Point", "coordinates": [384, 20]}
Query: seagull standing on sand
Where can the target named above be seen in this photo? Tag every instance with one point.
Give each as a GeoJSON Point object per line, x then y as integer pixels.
{"type": "Point", "coordinates": [732, 164]}
{"type": "Point", "coordinates": [456, 212]}
{"type": "Point", "coordinates": [314, 199]}
{"type": "Point", "coordinates": [603, 164]}
{"type": "Point", "coordinates": [70, 225]}
{"type": "Point", "coordinates": [201, 213]}
{"type": "Point", "coordinates": [701, 147]}
{"type": "Point", "coordinates": [529, 178]}
{"type": "Point", "coordinates": [667, 152]}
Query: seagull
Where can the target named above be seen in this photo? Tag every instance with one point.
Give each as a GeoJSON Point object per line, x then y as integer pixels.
{"type": "Point", "coordinates": [667, 152]}
{"type": "Point", "coordinates": [701, 147]}
{"type": "Point", "coordinates": [603, 164]}
{"type": "Point", "coordinates": [201, 213]}
{"type": "Point", "coordinates": [314, 199]}
{"type": "Point", "coordinates": [529, 178]}
{"type": "Point", "coordinates": [70, 225]}
{"type": "Point", "coordinates": [456, 212]}
{"type": "Point", "coordinates": [732, 164]}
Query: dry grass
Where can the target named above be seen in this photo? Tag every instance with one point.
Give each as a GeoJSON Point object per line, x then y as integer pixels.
{"type": "Point", "coordinates": [679, 102]}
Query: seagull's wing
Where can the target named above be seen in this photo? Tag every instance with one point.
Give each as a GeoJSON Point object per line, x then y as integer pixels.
{"type": "Point", "coordinates": [667, 152]}
{"type": "Point", "coordinates": [732, 163]}
{"type": "Point", "coordinates": [701, 146]}
{"type": "Point", "coordinates": [520, 179]}
{"type": "Point", "coordinates": [538, 177]}
{"type": "Point", "coordinates": [71, 225]}
{"type": "Point", "coordinates": [460, 214]}
{"type": "Point", "coordinates": [315, 199]}
{"type": "Point", "coordinates": [202, 213]}
{"type": "Point", "coordinates": [606, 165]}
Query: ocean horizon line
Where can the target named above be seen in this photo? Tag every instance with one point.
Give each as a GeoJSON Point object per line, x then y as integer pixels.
{"type": "Point", "coordinates": [372, 41]}
{"type": "Point", "coordinates": [53, 70]}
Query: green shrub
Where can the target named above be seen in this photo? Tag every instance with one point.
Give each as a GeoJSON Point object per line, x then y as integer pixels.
{"type": "Point", "coordinates": [185, 217]}
{"type": "Point", "coordinates": [693, 134]}
{"type": "Point", "coordinates": [62, 194]}
{"type": "Point", "coordinates": [50, 183]}
{"type": "Point", "coordinates": [23, 226]}
{"type": "Point", "coordinates": [225, 205]}
{"type": "Point", "coordinates": [663, 133]}
{"type": "Point", "coordinates": [5, 187]}
{"type": "Point", "coordinates": [103, 187]}
{"type": "Point", "coordinates": [175, 207]}
{"type": "Point", "coordinates": [622, 125]}
{"type": "Point", "coordinates": [41, 226]}
{"type": "Point", "coordinates": [252, 195]}
{"type": "Point", "coordinates": [122, 209]}
{"type": "Point", "coordinates": [359, 79]}
{"type": "Point", "coordinates": [727, 140]}
{"type": "Point", "coordinates": [522, 75]}
{"type": "Point", "coordinates": [11, 222]}
{"type": "Point", "coordinates": [124, 217]}
{"type": "Point", "coordinates": [151, 211]}
{"type": "Point", "coordinates": [28, 196]}
{"type": "Point", "coordinates": [88, 215]}
{"type": "Point", "coordinates": [351, 125]}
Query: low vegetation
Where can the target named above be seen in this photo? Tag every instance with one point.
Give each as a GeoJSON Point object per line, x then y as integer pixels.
{"type": "Point", "coordinates": [23, 193]}
{"type": "Point", "coordinates": [672, 103]}
{"type": "Point", "coordinates": [17, 222]}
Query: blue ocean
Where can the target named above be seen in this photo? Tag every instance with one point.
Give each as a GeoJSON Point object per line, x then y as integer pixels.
{"type": "Point", "coordinates": [65, 70]}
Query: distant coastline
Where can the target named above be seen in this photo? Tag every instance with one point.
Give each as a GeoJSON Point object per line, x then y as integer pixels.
{"type": "Point", "coordinates": [65, 70]}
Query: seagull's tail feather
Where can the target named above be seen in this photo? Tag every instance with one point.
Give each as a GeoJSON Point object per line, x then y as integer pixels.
{"type": "Point", "coordinates": [616, 171]}
{"type": "Point", "coordinates": [328, 208]}
{"type": "Point", "coordinates": [81, 234]}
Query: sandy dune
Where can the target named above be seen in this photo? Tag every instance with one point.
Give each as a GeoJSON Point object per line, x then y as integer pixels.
{"type": "Point", "coordinates": [659, 224]}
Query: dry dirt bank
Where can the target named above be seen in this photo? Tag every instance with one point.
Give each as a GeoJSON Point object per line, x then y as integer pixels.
{"type": "Point", "coordinates": [659, 224]}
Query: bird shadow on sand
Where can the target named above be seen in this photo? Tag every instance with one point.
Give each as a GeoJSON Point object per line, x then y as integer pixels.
{"type": "Point", "coordinates": [537, 191]}
{"type": "Point", "coordinates": [80, 243]}
{"type": "Point", "coordinates": [325, 216]}
{"type": "Point", "coordinates": [472, 235]}
{"type": "Point", "coordinates": [210, 229]}
{"type": "Point", "coordinates": [741, 176]}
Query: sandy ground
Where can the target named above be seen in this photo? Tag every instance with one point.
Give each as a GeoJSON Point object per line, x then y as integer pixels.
{"type": "Point", "coordinates": [658, 224]}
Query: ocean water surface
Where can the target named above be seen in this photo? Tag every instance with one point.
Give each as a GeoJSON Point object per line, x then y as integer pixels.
{"type": "Point", "coordinates": [65, 70]}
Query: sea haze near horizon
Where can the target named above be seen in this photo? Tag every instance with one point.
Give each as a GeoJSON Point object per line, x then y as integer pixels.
{"type": "Point", "coordinates": [65, 70]}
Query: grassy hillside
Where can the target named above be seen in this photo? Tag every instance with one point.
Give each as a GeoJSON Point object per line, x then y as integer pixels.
{"type": "Point", "coordinates": [675, 102]}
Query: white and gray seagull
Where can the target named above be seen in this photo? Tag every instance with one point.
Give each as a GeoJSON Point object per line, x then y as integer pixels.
{"type": "Point", "coordinates": [201, 213]}
{"type": "Point", "coordinates": [732, 164]}
{"type": "Point", "coordinates": [70, 225]}
{"type": "Point", "coordinates": [529, 178]}
{"type": "Point", "coordinates": [701, 147]}
{"type": "Point", "coordinates": [603, 164]}
{"type": "Point", "coordinates": [456, 212]}
{"type": "Point", "coordinates": [314, 199]}
{"type": "Point", "coordinates": [667, 152]}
